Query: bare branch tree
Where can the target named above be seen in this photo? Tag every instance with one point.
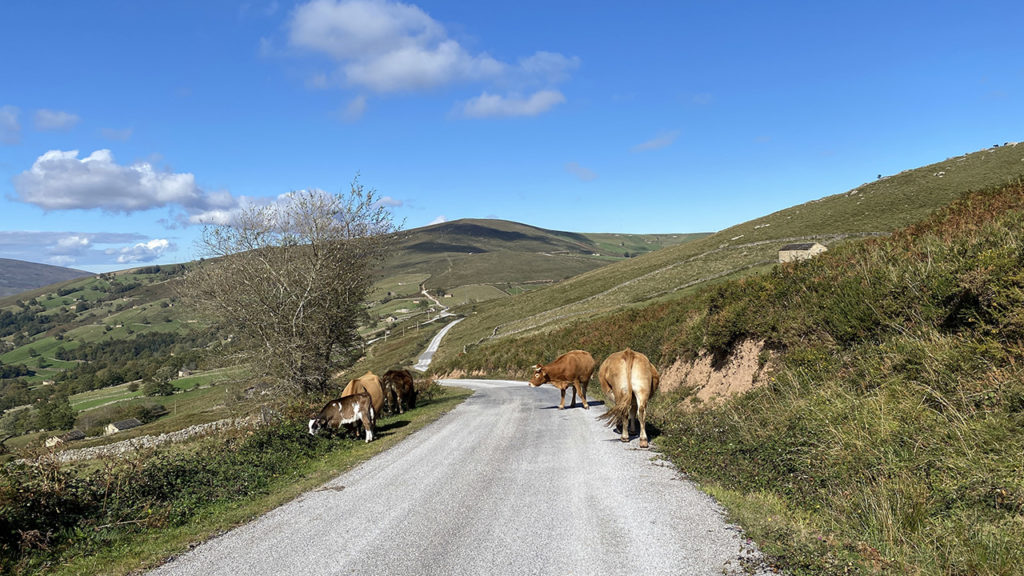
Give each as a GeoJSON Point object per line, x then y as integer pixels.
{"type": "Point", "coordinates": [291, 279]}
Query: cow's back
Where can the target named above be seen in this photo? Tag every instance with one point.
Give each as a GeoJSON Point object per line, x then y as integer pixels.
{"type": "Point", "coordinates": [575, 365]}
{"type": "Point", "coordinates": [401, 379]}
{"type": "Point", "coordinates": [625, 369]}
{"type": "Point", "coordinates": [370, 384]}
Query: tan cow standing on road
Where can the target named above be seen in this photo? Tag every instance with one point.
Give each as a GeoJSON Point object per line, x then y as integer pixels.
{"type": "Point", "coordinates": [572, 368]}
{"type": "Point", "coordinates": [370, 384]}
{"type": "Point", "coordinates": [631, 379]}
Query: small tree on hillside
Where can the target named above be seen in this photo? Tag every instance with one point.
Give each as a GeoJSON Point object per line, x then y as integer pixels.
{"type": "Point", "coordinates": [291, 279]}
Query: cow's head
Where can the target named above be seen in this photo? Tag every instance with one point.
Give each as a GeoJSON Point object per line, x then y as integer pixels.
{"type": "Point", "coordinates": [540, 376]}
{"type": "Point", "coordinates": [315, 425]}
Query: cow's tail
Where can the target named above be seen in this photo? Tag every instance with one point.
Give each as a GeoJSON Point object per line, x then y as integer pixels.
{"type": "Point", "coordinates": [623, 402]}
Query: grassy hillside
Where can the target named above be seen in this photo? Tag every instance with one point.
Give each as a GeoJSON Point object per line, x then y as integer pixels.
{"type": "Point", "coordinates": [499, 252]}
{"type": "Point", "coordinates": [890, 435]}
{"type": "Point", "coordinates": [17, 276]}
{"type": "Point", "coordinates": [475, 261]}
{"type": "Point", "coordinates": [874, 208]}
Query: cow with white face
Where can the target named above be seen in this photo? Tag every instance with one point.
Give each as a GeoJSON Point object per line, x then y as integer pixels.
{"type": "Point", "coordinates": [353, 409]}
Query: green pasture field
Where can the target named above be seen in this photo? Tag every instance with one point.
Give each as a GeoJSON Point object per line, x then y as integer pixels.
{"type": "Point", "coordinates": [103, 396]}
{"type": "Point", "coordinates": [473, 293]}
{"type": "Point", "coordinates": [399, 285]}
{"type": "Point", "coordinates": [392, 306]}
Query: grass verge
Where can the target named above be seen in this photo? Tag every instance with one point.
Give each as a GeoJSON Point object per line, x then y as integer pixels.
{"type": "Point", "coordinates": [132, 513]}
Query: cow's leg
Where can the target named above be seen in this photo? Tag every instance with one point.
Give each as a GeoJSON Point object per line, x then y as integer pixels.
{"type": "Point", "coordinates": [573, 403]}
{"type": "Point", "coordinates": [633, 424]}
{"type": "Point", "coordinates": [582, 389]}
{"type": "Point", "coordinates": [642, 414]}
{"type": "Point", "coordinates": [624, 426]}
{"type": "Point", "coordinates": [561, 405]}
{"type": "Point", "coordinates": [367, 426]}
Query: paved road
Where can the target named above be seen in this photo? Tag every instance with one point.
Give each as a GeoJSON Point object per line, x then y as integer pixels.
{"type": "Point", "coordinates": [503, 484]}
{"type": "Point", "coordinates": [423, 362]}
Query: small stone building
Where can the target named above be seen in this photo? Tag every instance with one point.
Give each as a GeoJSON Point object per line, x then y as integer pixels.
{"type": "Point", "coordinates": [115, 427]}
{"type": "Point", "coordinates": [797, 252]}
{"type": "Point", "coordinates": [69, 437]}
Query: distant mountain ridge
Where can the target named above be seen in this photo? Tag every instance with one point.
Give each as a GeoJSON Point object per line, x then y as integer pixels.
{"type": "Point", "coordinates": [17, 276]}
{"type": "Point", "coordinates": [488, 251]}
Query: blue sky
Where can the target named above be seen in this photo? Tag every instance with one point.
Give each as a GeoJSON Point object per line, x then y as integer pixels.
{"type": "Point", "coordinates": [126, 125]}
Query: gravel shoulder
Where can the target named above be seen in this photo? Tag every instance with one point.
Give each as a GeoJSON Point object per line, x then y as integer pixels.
{"type": "Point", "coordinates": [503, 484]}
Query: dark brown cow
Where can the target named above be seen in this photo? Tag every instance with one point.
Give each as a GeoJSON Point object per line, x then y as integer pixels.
{"type": "Point", "coordinates": [398, 387]}
{"type": "Point", "coordinates": [572, 368]}
{"type": "Point", "coordinates": [630, 379]}
{"type": "Point", "coordinates": [370, 384]}
{"type": "Point", "coordinates": [353, 409]}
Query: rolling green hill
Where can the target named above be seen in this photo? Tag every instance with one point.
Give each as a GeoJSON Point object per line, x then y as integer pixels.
{"type": "Point", "coordinates": [499, 252]}
{"type": "Point", "coordinates": [875, 208]}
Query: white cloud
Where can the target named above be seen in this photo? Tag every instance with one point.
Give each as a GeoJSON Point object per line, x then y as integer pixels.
{"type": "Point", "coordinates": [71, 245]}
{"type": "Point", "coordinates": [143, 251]}
{"type": "Point", "coordinates": [355, 109]}
{"type": "Point", "coordinates": [317, 82]}
{"type": "Point", "coordinates": [439, 220]}
{"type": "Point", "coordinates": [547, 67]}
{"type": "Point", "coordinates": [119, 135]}
{"type": "Point", "coordinates": [387, 47]}
{"type": "Point", "coordinates": [389, 202]}
{"type": "Point", "coordinates": [657, 142]}
{"type": "Point", "coordinates": [703, 99]}
{"type": "Point", "coordinates": [10, 127]}
{"type": "Point", "coordinates": [55, 120]}
{"type": "Point", "coordinates": [77, 248]}
{"type": "Point", "coordinates": [584, 174]}
{"type": "Point", "coordinates": [59, 180]}
{"type": "Point", "coordinates": [489, 105]}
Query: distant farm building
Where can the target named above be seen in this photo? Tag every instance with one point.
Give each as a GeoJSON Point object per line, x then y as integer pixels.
{"type": "Point", "coordinates": [797, 252]}
{"type": "Point", "coordinates": [121, 426]}
{"type": "Point", "coordinates": [69, 437]}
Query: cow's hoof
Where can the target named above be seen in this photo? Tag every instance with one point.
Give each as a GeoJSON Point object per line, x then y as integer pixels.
{"type": "Point", "coordinates": [643, 444]}
{"type": "Point", "coordinates": [626, 440]}
{"type": "Point", "coordinates": [561, 407]}
{"type": "Point", "coordinates": [586, 407]}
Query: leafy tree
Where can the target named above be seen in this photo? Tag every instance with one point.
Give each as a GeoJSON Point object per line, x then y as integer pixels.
{"type": "Point", "coordinates": [55, 413]}
{"type": "Point", "coordinates": [291, 280]}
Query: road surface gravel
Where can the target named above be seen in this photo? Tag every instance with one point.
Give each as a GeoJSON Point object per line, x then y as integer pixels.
{"type": "Point", "coordinates": [503, 484]}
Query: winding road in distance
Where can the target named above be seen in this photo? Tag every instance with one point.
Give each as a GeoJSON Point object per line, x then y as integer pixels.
{"type": "Point", "coordinates": [503, 484]}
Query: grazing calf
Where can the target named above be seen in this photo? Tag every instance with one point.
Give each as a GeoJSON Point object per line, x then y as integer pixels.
{"type": "Point", "coordinates": [398, 387]}
{"type": "Point", "coordinates": [353, 409]}
{"type": "Point", "coordinates": [631, 379]}
{"type": "Point", "coordinates": [570, 369]}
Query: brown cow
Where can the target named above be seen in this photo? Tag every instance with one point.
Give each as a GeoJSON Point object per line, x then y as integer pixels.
{"type": "Point", "coordinates": [398, 387]}
{"type": "Point", "coordinates": [370, 384]}
{"type": "Point", "coordinates": [572, 368]}
{"type": "Point", "coordinates": [354, 409]}
{"type": "Point", "coordinates": [631, 379]}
